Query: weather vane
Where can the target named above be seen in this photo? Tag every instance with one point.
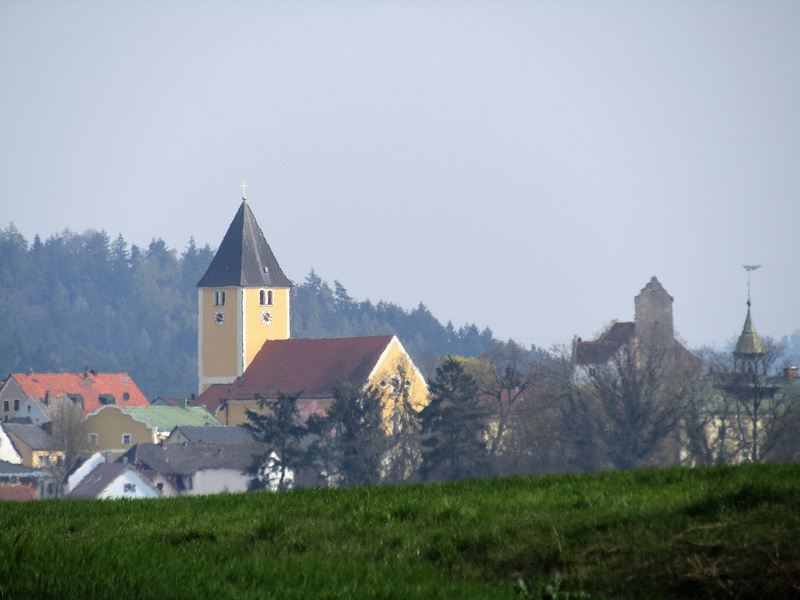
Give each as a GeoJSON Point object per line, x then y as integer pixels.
{"type": "Point", "coordinates": [749, 268]}
{"type": "Point", "coordinates": [244, 191]}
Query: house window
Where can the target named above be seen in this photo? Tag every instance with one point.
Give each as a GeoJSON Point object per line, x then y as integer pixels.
{"type": "Point", "coordinates": [189, 483]}
{"type": "Point", "coordinates": [270, 298]}
{"type": "Point", "coordinates": [219, 298]}
{"type": "Point", "coordinates": [16, 403]}
{"type": "Point", "coordinates": [126, 439]}
{"type": "Point", "coordinates": [44, 460]}
{"type": "Point", "coordinates": [6, 406]}
{"type": "Point", "coordinates": [126, 396]}
{"type": "Point", "coordinates": [129, 488]}
{"type": "Point", "coordinates": [93, 439]}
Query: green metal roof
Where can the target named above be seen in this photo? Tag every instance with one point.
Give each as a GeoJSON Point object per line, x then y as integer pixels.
{"type": "Point", "coordinates": [166, 418]}
{"type": "Point", "coordinates": [749, 342]}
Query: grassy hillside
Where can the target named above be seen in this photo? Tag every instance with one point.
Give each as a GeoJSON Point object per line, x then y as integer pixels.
{"type": "Point", "coordinates": [729, 532]}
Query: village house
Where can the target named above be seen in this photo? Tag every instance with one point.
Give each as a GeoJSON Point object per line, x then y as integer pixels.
{"type": "Point", "coordinates": [199, 468]}
{"type": "Point", "coordinates": [8, 452]}
{"type": "Point", "coordinates": [36, 446]}
{"type": "Point", "coordinates": [114, 481]}
{"type": "Point", "coordinates": [18, 482]}
{"type": "Point", "coordinates": [88, 391]}
{"type": "Point", "coordinates": [193, 434]}
{"type": "Point", "coordinates": [114, 430]}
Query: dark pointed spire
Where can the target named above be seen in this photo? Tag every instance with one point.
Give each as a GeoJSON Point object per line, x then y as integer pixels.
{"type": "Point", "coordinates": [244, 258]}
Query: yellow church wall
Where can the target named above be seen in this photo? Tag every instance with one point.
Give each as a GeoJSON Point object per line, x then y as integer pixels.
{"type": "Point", "coordinates": [393, 366]}
{"type": "Point", "coordinates": [256, 331]}
{"type": "Point", "coordinates": [219, 342]}
{"type": "Point", "coordinates": [235, 411]}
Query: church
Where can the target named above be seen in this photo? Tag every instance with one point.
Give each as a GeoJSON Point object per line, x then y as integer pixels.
{"type": "Point", "coordinates": [245, 352]}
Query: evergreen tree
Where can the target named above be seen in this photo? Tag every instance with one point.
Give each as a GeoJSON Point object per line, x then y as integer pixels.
{"type": "Point", "coordinates": [286, 433]}
{"type": "Point", "coordinates": [402, 459]}
{"type": "Point", "coordinates": [357, 440]}
{"type": "Point", "coordinates": [453, 426]}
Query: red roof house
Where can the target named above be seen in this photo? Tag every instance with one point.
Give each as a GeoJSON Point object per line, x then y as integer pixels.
{"type": "Point", "coordinates": [89, 391]}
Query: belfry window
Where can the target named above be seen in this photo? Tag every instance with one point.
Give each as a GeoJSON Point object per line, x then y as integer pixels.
{"type": "Point", "coordinates": [266, 297]}
{"type": "Point", "coordinates": [219, 298]}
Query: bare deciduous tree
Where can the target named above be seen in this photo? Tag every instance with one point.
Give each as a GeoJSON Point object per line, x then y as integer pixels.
{"type": "Point", "coordinates": [69, 428]}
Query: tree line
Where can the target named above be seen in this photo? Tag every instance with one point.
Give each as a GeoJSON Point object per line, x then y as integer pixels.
{"type": "Point", "coordinates": [85, 300]}
{"type": "Point", "coordinates": [512, 410]}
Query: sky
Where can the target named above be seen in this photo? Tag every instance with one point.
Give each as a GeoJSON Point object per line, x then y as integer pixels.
{"type": "Point", "coordinates": [523, 166]}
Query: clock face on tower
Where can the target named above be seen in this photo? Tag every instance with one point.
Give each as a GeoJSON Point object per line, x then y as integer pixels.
{"type": "Point", "coordinates": [266, 317]}
{"type": "Point", "coordinates": [219, 317]}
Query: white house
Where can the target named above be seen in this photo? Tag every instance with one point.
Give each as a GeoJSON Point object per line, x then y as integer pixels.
{"type": "Point", "coordinates": [195, 469]}
{"type": "Point", "coordinates": [113, 481]}
{"type": "Point", "coordinates": [8, 452]}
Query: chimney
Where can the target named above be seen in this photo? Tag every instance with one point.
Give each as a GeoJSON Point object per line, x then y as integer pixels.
{"type": "Point", "coordinates": [47, 398]}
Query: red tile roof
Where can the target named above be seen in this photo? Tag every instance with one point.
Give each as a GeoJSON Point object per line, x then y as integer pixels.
{"type": "Point", "coordinates": [307, 365]}
{"type": "Point", "coordinates": [90, 386]}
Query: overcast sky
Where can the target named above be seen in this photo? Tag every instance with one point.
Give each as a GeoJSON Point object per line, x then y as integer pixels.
{"type": "Point", "coordinates": [524, 166]}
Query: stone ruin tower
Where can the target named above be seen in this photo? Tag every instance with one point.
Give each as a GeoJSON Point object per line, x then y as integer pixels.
{"type": "Point", "coordinates": [653, 313]}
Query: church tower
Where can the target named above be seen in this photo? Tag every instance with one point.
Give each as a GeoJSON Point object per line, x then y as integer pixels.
{"type": "Point", "coordinates": [243, 300]}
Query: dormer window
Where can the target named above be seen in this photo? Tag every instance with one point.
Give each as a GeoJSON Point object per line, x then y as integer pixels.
{"type": "Point", "coordinates": [266, 297]}
{"type": "Point", "coordinates": [77, 399]}
{"type": "Point", "coordinates": [219, 297]}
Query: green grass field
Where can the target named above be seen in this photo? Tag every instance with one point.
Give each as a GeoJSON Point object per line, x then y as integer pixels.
{"type": "Point", "coordinates": [727, 532]}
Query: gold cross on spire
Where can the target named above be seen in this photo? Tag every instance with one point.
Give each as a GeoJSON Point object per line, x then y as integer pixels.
{"type": "Point", "coordinates": [244, 190]}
